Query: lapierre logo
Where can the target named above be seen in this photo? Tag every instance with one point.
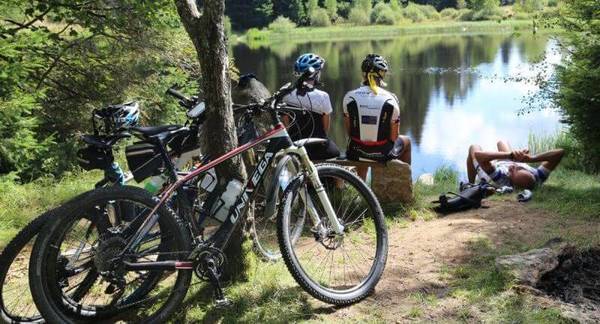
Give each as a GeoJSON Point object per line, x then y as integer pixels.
{"type": "Point", "coordinates": [261, 168]}
{"type": "Point", "coordinates": [239, 208]}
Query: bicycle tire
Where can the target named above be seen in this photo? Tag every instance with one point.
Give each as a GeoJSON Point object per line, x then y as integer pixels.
{"type": "Point", "coordinates": [14, 248]}
{"type": "Point", "coordinates": [307, 283]}
{"type": "Point", "coordinates": [51, 305]}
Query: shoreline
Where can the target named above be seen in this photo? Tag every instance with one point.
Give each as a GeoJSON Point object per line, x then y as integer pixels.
{"type": "Point", "coordinates": [348, 32]}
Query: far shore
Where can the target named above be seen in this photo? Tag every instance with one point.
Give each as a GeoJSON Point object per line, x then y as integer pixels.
{"type": "Point", "coordinates": [351, 32]}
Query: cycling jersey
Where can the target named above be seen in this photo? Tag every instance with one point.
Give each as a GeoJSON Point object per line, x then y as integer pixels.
{"type": "Point", "coordinates": [500, 176]}
{"type": "Point", "coordinates": [309, 123]}
{"type": "Point", "coordinates": [371, 116]}
{"type": "Point", "coordinates": [316, 103]}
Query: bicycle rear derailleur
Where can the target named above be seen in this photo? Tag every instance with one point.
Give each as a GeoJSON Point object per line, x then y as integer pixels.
{"type": "Point", "coordinates": [209, 267]}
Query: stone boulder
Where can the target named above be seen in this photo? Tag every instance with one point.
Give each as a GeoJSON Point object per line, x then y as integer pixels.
{"type": "Point", "coordinates": [528, 267]}
{"type": "Point", "coordinates": [391, 182]}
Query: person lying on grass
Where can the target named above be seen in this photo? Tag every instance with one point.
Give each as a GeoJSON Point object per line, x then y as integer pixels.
{"type": "Point", "coordinates": [507, 167]}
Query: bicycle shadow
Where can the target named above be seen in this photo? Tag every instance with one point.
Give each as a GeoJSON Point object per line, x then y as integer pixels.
{"type": "Point", "coordinates": [250, 304]}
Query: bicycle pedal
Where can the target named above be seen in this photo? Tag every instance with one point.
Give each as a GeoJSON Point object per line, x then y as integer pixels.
{"type": "Point", "coordinates": [223, 303]}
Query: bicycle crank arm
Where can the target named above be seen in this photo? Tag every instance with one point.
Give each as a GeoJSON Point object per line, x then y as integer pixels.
{"type": "Point", "coordinates": [158, 265]}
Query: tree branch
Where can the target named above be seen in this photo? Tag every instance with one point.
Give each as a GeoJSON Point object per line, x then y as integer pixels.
{"type": "Point", "coordinates": [28, 24]}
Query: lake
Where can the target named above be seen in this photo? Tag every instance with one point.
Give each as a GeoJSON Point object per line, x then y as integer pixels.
{"type": "Point", "coordinates": [454, 90]}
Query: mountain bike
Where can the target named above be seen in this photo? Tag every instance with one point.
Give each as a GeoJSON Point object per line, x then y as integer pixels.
{"type": "Point", "coordinates": [342, 214]}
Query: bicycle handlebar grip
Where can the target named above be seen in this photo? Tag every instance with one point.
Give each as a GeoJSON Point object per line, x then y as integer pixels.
{"type": "Point", "coordinates": [177, 94]}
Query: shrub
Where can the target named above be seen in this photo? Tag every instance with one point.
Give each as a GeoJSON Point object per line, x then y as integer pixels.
{"type": "Point", "coordinates": [552, 3]}
{"type": "Point", "coordinates": [487, 14]}
{"type": "Point", "coordinates": [521, 16]}
{"type": "Point", "coordinates": [578, 78]}
{"type": "Point", "coordinates": [281, 25]}
{"type": "Point", "coordinates": [358, 17]}
{"type": "Point", "coordinates": [383, 14]}
{"type": "Point", "coordinates": [430, 12]}
{"type": "Point", "coordinates": [449, 13]}
{"type": "Point", "coordinates": [414, 13]}
{"type": "Point", "coordinates": [477, 5]}
{"type": "Point", "coordinates": [461, 4]}
{"type": "Point", "coordinates": [387, 17]}
{"type": "Point", "coordinates": [465, 14]}
{"type": "Point", "coordinates": [320, 18]}
{"type": "Point", "coordinates": [255, 34]}
{"type": "Point", "coordinates": [529, 5]}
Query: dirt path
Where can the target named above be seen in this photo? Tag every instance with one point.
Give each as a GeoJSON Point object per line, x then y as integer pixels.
{"type": "Point", "coordinates": [421, 252]}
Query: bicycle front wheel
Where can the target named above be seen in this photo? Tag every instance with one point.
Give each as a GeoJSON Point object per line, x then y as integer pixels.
{"type": "Point", "coordinates": [336, 269]}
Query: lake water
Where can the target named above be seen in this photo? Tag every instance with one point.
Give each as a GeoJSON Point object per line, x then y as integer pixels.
{"type": "Point", "coordinates": [454, 90]}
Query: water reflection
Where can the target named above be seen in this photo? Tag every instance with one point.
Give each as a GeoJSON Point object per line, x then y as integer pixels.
{"type": "Point", "coordinates": [452, 89]}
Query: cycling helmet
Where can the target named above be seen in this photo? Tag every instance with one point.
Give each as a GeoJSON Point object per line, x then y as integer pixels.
{"type": "Point", "coordinates": [374, 63]}
{"type": "Point", "coordinates": [126, 115]}
{"type": "Point", "coordinates": [308, 60]}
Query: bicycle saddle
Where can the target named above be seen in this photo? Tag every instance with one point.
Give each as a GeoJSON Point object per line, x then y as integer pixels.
{"type": "Point", "coordinates": [154, 130]}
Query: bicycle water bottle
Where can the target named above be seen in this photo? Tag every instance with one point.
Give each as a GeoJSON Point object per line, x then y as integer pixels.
{"type": "Point", "coordinates": [155, 183]}
{"type": "Point", "coordinates": [221, 207]}
{"type": "Point", "coordinates": [116, 175]}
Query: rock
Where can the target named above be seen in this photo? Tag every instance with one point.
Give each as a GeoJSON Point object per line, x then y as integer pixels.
{"type": "Point", "coordinates": [528, 267]}
{"type": "Point", "coordinates": [426, 179]}
{"type": "Point", "coordinates": [391, 182]}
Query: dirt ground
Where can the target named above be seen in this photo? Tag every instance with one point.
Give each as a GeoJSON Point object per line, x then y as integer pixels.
{"type": "Point", "coordinates": [421, 252]}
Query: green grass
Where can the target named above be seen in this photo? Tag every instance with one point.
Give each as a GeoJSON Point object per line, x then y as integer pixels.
{"type": "Point", "coordinates": [479, 284]}
{"type": "Point", "coordinates": [344, 32]}
{"type": "Point", "coordinates": [20, 203]}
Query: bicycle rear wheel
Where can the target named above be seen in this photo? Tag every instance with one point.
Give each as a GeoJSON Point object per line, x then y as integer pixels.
{"type": "Point", "coordinates": [336, 269]}
{"type": "Point", "coordinates": [77, 273]}
{"type": "Point", "coordinates": [263, 228]}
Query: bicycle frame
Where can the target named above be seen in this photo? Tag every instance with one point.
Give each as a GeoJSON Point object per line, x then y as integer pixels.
{"type": "Point", "coordinates": [279, 141]}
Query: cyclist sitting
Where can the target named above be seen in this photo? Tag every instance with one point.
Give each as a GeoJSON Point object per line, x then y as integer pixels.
{"type": "Point", "coordinates": [316, 122]}
{"type": "Point", "coordinates": [372, 118]}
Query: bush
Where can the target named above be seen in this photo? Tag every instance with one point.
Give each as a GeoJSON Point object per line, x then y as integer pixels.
{"type": "Point", "coordinates": [358, 17]}
{"type": "Point", "coordinates": [477, 5]}
{"type": "Point", "coordinates": [430, 12]}
{"type": "Point", "coordinates": [383, 14]}
{"type": "Point", "coordinates": [386, 17]}
{"type": "Point", "coordinates": [414, 13]}
{"type": "Point", "coordinates": [521, 16]}
{"type": "Point", "coordinates": [576, 92]}
{"type": "Point", "coordinates": [529, 6]}
{"type": "Point", "coordinates": [255, 34]}
{"type": "Point", "coordinates": [320, 18]}
{"type": "Point", "coordinates": [281, 25]}
{"type": "Point", "coordinates": [465, 14]}
{"type": "Point", "coordinates": [449, 13]}
{"type": "Point", "coordinates": [488, 14]}
{"type": "Point", "coordinates": [552, 3]}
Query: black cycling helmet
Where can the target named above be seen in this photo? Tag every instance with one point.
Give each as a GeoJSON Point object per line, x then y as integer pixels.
{"type": "Point", "coordinates": [374, 63]}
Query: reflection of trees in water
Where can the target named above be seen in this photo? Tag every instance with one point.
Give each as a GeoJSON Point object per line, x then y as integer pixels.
{"type": "Point", "coordinates": [422, 68]}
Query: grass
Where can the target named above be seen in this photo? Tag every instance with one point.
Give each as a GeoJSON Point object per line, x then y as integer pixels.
{"type": "Point", "coordinates": [482, 287]}
{"type": "Point", "coordinates": [344, 32]}
{"type": "Point", "coordinates": [20, 203]}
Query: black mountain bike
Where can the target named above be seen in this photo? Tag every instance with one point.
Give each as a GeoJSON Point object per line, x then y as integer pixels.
{"type": "Point", "coordinates": [337, 254]}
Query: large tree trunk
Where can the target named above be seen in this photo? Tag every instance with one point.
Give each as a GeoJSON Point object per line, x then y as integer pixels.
{"type": "Point", "coordinates": [206, 30]}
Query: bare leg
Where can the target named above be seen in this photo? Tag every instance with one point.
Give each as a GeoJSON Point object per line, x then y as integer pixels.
{"type": "Point", "coordinates": [471, 172]}
{"type": "Point", "coordinates": [406, 155]}
{"type": "Point", "coordinates": [503, 146]}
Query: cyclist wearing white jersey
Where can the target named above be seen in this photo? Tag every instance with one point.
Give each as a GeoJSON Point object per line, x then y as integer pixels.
{"type": "Point", "coordinates": [372, 118]}
{"type": "Point", "coordinates": [507, 167]}
{"type": "Point", "coordinates": [315, 120]}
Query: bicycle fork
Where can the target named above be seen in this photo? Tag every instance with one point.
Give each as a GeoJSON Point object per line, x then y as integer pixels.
{"type": "Point", "coordinates": [313, 177]}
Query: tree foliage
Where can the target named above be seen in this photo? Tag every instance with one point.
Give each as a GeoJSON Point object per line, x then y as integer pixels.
{"type": "Point", "coordinates": [577, 92]}
{"type": "Point", "coordinates": [59, 60]}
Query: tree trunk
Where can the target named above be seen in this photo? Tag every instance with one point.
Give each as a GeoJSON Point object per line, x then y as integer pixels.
{"type": "Point", "coordinates": [206, 30]}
